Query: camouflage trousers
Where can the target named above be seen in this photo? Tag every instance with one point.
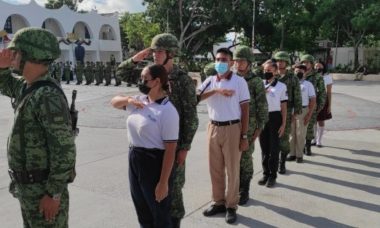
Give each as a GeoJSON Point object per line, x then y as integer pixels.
{"type": "Point", "coordinates": [177, 209]}
{"type": "Point", "coordinates": [246, 165]}
{"type": "Point", "coordinates": [310, 127]}
{"type": "Point", "coordinates": [67, 76]}
{"type": "Point", "coordinates": [29, 196]}
{"type": "Point", "coordinates": [80, 77]}
{"type": "Point", "coordinates": [284, 140]}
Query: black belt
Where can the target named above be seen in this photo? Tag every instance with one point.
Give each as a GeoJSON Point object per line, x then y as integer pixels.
{"type": "Point", "coordinates": [224, 123]}
{"type": "Point", "coordinates": [28, 177]}
{"type": "Point", "coordinates": [305, 106]}
{"type": "Point", "coordinates": [145, 149]}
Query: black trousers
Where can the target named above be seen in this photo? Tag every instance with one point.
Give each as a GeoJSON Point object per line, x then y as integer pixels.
{"type": "Point", "coordinates": [269, 143]}
{"type": "Point", "coordinates": [144, 173]}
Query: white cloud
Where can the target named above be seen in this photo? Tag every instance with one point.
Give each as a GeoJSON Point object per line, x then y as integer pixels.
{"type": "Point", "coordinates": [103, 6]}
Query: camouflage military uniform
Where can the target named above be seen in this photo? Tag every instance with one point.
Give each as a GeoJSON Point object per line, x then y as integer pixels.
{"type": "Point", "coordinates": [294, 105]}
{"type": "Point", "coordinates": [320, 91]}
{"type": "Point", "coordinates": [258, 116]}
{"type": "Point", "coordinates": [107, 73]}
{"type": "Point", "coordinates": [97, 73]}
{"type": "Point", "coordinates": [66, 72]}
{"type": "Point", "coordinates": [41, 138]}
{"type": "Point", "coordinates": [79, 73]}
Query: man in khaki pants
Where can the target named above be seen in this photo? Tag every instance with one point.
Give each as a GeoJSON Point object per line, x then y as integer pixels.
{"type": "Point", "coordinates": [300, 122]}
{"type": "Point", "coordinates": [228, 108]}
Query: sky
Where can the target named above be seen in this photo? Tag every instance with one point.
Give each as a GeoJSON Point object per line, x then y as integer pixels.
{"type": "Point", "coordinates": [103, 6]}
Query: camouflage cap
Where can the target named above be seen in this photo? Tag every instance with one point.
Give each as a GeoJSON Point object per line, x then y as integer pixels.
{"type": "Point", "coordinates": [165, 41]}
{"type": "Point", "coordinates": [209, 69]}
{"type": "Point", "coordinates": [243, 52]}
{"type": "Point", "coordinates": [282, 55]}
{"type": "Point", "coordinates": [36, 44]}
{"type": "Point", "coordinates": [307, 57]}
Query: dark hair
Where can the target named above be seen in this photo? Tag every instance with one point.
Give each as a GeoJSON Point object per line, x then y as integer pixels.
{"type": "Point", "coordinates": [324, 71]}
{"type": "Point", "coordinates": [159, 71]}
{"type": "Point", "coordinates": [225, 51]}
{"type": "Point", "coordinates": [300, 66]}
{"type": "Point", "coordinates": [271, 62]}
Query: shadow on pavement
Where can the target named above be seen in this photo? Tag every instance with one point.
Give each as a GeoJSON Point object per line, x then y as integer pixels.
{"type": "Point", "coordinates": [250, 222]}
{"type": "Point", "coordinates": [350, 202]}
{"type": "Point", "coordinates": [301, 217]}
{"type": "Point", "coordinates": [359, 162]}
{"type": "Point", "coordinates": [360, 152]}
{"type": "Point", "coordinates": [348, 169]}
{"type": "Point", "coordinates": [363, 187]}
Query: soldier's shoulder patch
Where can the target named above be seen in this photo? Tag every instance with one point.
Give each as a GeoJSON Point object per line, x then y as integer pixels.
{"type": "Point", "coordinates": [55, 108]}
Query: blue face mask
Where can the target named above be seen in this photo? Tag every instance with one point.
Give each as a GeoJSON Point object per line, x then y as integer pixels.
{"type": "Point", "coordinates": [221, 67]}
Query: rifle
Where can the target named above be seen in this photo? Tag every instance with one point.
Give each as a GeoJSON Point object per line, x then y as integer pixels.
{"type": "Point", "coordinates": [74, 113]}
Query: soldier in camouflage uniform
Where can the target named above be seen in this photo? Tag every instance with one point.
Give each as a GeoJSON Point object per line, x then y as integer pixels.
{"type": "Point", "coordinates": [209, 70]}
{"type": "Point", "coordinates": [258, 116]}
{"type": "Point", "coordinates": [107, 73]}
{"type": "Point", "coordinates": [182, 94]}
{"type": "Point", "coordinates": [97, 73]}
{"type": "Point", "coordinates": [117, 79]}
{"type": "Point", "coordinates": [294, 105]}
{"type": "Point", "coordinates": [320, 90]}
{"type": "Point", "coordinates": [41, 148]}
{"type": "Point", "coordinates": [87, 72]}
{"type": "Point", "coordinates": [79, 72]}
{"type": "Point", "coordinates": [66, 72]}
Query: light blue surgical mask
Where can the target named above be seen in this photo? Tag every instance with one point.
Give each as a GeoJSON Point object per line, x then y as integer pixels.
{"type": "Point", "coordinates": [221, 67]}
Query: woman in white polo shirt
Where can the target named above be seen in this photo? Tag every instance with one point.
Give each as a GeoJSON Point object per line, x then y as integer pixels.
{"type": "Point", "coordinates": [152, 125]}
{"type": "Point", "coordinates": [276, 94]}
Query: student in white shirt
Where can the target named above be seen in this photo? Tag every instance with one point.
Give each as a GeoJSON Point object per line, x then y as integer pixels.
{"type": "Point", "coordinates": [277, 98]}
{"type": "Point", "coordinates": [325, 113]}
{"type": "Point", "coordinates": [153, 126]}
{"type": "Point", "coordinates": [300, 122]}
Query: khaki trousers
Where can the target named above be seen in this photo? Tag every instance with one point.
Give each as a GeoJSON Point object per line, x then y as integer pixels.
{"type": "Point", "coordinates": [224, 155]}
{"type": "Point", "coordinates": [298, 134]}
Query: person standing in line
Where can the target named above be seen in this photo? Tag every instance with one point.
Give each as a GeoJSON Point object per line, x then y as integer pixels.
{"type": "Point", "coordinates": [316, 79]}
{"type": "Point", "coordinates": [153, 127]}
{"type": "Point", "coordinates": [274, 129]}
{"type": "Point", "coordinates": [227, 97]}
{"type": "Point", "coordinates": [294, 102]}
{"type": "Point", "coordinates": [41, 148]}
{"type": "Point", "coordinates": [181, 91]}
{"type": "Point", "coordinates": [300, 122]}
{"type": "Point", "coordinates": [325, 113]}
{"type": "Point", "coordinates": [258, 115]}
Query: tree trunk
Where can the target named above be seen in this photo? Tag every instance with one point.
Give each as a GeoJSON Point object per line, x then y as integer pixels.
{"type": "Point", "coordinates": [356, 56]}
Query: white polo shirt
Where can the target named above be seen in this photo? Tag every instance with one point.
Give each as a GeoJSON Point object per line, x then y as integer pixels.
{"type": "Point", "coordinates": [307, 92]}
{"type": "Point", "coordinates": [327, 79]}
{"type": "Point", "coordinates": [222, 108]}
{"type": "Point", "coordinates": [153, 125]}
{"type": "Point", "coordinates": [276, 93]}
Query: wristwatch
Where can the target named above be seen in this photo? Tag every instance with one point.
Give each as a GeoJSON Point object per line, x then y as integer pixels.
{"type": "Point", "coordinates": [244, 136]}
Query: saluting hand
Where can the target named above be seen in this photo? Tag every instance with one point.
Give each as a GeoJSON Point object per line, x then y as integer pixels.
{"type": "Point", "coordinates": [6, 57]}
{"type": "Point", "coordinates": [141, 55]}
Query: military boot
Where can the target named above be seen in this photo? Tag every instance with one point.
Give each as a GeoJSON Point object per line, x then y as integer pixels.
{"type": "Point", "coordinates": [244, 193]}
{"type": "Point", "coordinates": [281, 167]}
{"type": "Point", "coordinates": [176, 222]}
{"type": "Point", "coordinates": [308, 147]}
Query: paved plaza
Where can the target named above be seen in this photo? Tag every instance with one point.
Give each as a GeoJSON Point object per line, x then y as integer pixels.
{"type": "Point", "coordinates": [339, 186]}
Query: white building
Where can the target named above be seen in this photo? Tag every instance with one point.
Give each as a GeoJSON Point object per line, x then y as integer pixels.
{"type": "Point", "coordinates": [100, 32]}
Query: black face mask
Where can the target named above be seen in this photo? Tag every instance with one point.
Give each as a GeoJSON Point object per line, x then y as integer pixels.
{"type": "Point", "coordinates": [300, 75]}
{"type": "Point", "coordinates": [143, 87]}
{"type": "Point", "coordinates": [268, 75]}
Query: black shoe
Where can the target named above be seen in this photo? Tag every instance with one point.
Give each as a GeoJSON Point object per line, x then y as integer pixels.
{"type": "Point", "coordinates": [214, 209]}
{"type": "Point", "coordinates": [271, 182]}
{"type": "Point", "coordinates": [244, 197]}
{"type": "Point", "coordinates": [231, 215]}
{"type": "Point", "coordinates": [308, 151]}
{"type": "Point", "coordinates": [313, 144]}
{"type": "Point", "coordinates": [319, 146]}
{"type": "Point", "coordinates": [263, 180]}
{"type": "Point", "coordinates": [299, 160]}
{"type": "Point", "coordinates": [176, 222]}
{"type": "Point", "coordinates": [291, 158]}
{"type": "Point", "coordinates": [282, 168]}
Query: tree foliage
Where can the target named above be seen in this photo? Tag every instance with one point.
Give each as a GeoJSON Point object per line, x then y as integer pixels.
{"type": "Point", "coordinates": [56, 4]}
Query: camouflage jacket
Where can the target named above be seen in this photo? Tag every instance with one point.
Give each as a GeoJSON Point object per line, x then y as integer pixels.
{"type": "Point", "coordinates": [41, 136]}
{"type": "Point", "coordinates": [319, 86]}
{"type": "Point", "coordinates": [294, 92]}
{"type": "Point", "coordinates": [258, 106]}
{"type": "Point", "coordinates": [182, 95]}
